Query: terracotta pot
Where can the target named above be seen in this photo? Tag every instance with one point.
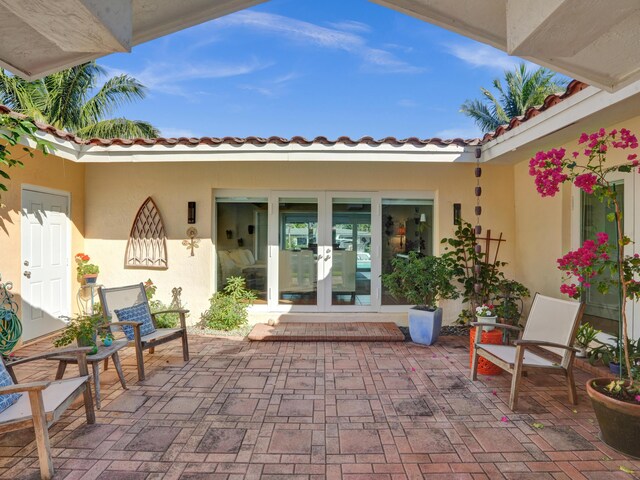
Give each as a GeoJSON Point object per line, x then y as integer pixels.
{"type": "Point", "coordinates": [619, 421]}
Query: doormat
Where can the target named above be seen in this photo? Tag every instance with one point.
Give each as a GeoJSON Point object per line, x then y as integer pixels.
{"type": "Point", "coordinates": [327, 332]}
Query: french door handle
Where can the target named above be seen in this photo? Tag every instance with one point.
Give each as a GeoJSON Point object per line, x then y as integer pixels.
{"type": "Point", "coordinates": [27, 273]}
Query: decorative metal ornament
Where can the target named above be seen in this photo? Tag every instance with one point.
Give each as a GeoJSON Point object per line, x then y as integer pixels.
{"type": "Point", "coordinates": [192, 242]}
{"type": "Point", "coordinates": [10, 326]}
{"type": "Point", "coordinates": [147, 245]}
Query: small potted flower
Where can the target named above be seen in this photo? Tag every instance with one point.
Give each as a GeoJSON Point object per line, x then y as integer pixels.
{"type": "Point", "coordinates": [84, 330]}
{"type": "Point", "coordinates": [486, 313]}
{"type": "Point", "coordinates": [87, 272]}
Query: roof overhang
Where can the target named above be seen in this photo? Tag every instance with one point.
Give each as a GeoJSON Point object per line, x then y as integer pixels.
{"type": "Point", "coordinates": [585, 111]}
{"type": "Point", "coordinates": [591, 40]}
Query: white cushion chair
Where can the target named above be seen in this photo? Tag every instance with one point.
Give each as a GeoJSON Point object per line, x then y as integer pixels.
{"type": "Point", "coordinates": [45, 402]}
{"type": "Point", "coordinates": [551, 326]}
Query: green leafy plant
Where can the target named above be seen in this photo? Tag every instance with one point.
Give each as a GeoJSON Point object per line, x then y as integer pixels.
{"type": "Point", "coordinates": [586, 334]}
{"type": "Point", "coordinates": [84, 329]}
{"type": "Point", "coordinates": [472, 267]}
{"type": "Point", "coordinates": [14, 129]}
{"type": "Point", "coordinates": [163, 320]}
{"type": "Point", "coordinates": [229, 308]}
{"type": "Point", "coordinates": [422, 280]}
{"type": "Point", "coordinates": [510, 301]}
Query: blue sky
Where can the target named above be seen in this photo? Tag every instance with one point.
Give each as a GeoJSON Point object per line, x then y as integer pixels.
{"type": "Point", "coordinates": [311, 67]}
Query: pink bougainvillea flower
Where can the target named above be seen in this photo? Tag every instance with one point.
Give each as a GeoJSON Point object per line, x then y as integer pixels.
{"type": "Point", "coordinates": [633, 156]}
{"type": "Point", "coordinates": [586, 182]}
{"type": "Point", "coordinates": [413, 369]}
{"type": "Point", "coordinates": [602, 238]}
{"type": "Point", "coordinates": [575, 154]}
{"type": "Point", "coordinates": [504, 419]}
{"type": "Point", "coordinates": [494, 393]}
{"type": "Point", "coordinates": [583, 138]}
{"type": "Point", "coordinates": [638, 398]}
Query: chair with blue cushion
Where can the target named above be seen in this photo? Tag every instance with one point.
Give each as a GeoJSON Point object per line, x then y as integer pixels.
{"type": "Point", "coordinates": [44, 402]}
{"type": "Point", "coordinates": [130, 307]}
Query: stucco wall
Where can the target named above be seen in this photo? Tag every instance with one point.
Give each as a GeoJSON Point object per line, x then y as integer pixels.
{"type": "Point", "coordinates": [47, 171]}
{"type": "Point", "coordinates": [547, 226]}
{"type": "Point", "coordinates": [117, 190]}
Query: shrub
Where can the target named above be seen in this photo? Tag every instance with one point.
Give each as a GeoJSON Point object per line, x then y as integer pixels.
{"type": "Point", "coordinates": [164, 320]}
{"type": "Point", "coordinates": [229, 308]}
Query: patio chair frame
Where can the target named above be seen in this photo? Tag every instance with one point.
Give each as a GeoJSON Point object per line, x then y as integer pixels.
{"type": "Point", "coordinates": [518, 368]}
{"type": "Point", "coordinates": [40, 419]}
{"type": "Point", "coordinates": [141, 344]}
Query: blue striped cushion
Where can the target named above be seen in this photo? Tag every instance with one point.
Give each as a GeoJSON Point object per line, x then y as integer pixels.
{"type": "Point", "coordinates": [138, 313]}
{"type": "Point", "coordinates": [6, 381]}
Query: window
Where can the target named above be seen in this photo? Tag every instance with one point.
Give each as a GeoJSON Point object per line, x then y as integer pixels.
{"type": "Point", "coordinates": [241, 242]}
{"type": "Point", "coordinates": [407, 226]}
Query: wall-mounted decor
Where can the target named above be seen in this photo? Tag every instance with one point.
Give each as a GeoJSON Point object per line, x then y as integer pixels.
{"type": "Point", "coordinates": [10, 326]}
{"type": "Point", "coordinates": [229, 234]}
{"type": "Point", "coordinates": [192, 242]}
{"type": "Point", "coordinates": [147, 245]}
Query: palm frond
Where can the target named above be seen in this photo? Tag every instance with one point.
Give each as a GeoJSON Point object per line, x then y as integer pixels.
{"type": "Point", "coordinates": [116, 92]}
{"type": "Point", "coordinates": [119, 128]}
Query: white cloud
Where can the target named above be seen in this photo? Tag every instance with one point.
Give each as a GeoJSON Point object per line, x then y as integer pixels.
{"type": "Point", "coordinates": [169, 78]}
{"type": "Point", "coordinates": [407, 103]}
{"type": "Point", "coordinates": [480, 55]}
{"type": "Point", "coordinates": [171, 132]}
{"type": "Point", "coordinates": [462, 132]}
{"type": "Point", "coordinates": [351, 26]}
{"type": "Point", "coordinates": [309, 33]}
{"type": "Point", "coordinates": [274, 87]}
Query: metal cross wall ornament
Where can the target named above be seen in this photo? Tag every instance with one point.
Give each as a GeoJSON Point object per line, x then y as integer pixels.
{"type": "Point", "coordinates": [192, 242]}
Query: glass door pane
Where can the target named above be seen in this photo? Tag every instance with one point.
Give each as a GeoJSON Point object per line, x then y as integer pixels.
{"type": "Point", "coordinates": [351, 251]}
{"type": "Point", "coordinates": [298, 251]}
{"type": "Point", "coordinates": [601, 310]}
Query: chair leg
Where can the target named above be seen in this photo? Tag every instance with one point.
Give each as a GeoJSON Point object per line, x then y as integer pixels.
{"type": "Point", "coordinates": [62, 367]}
{"type": "Point", "coordinates": [474, 365]}
{"type": "Point", "coordinates": [152, 350]}
{"type": "Point", "coordinates": [96, 381]}
{"type": "Point", "coordinates": [185, 346]}
{"type": "Point", "coordinates": [516, 377]}
{"type": "Point", "coordinates": [118, 366]}
{"type": "Point", "coordinates": [42, 434]}
{"type": "Point", "coordinates": [106, 364]}
{"type": "Point", "coordinates": [571, 385]}
{"type": "Point", "coordinates": [89, 411]}
{"type": "Point", "coordinates": [140, 360]}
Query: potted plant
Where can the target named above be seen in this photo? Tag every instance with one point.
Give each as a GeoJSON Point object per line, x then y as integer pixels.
{"type": "Point", "coordinates": [616, 401]}
{"type": "Point", "coordinates": [486, 314]}
{"type": "Point", "coordinates": [84, 330]}
{"type": "Point", "coordinates": [88, 272]}
{"type": "Point", "coordinates": [586, 334]}
{"type": "Point", "coordinates": [422, 281]}
{"type": "Point", "coordinates": [511, 295]}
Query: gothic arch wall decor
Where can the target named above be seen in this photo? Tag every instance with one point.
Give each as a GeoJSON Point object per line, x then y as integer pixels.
{"type": "Point", "coordinates": [147, 245]}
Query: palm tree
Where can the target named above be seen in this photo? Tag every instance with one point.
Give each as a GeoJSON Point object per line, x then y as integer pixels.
{"type": "Point", "coordinates": [71, 100]}
{"type": "Point", "coordinates": [524, 88]}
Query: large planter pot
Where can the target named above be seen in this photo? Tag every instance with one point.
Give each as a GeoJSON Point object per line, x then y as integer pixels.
{"type": "Point", "coordinates": [424, 325]}
{"type": "Point", "coordinates": [619, 421]}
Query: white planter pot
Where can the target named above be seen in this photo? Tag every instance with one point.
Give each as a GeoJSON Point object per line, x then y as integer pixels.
{"type": "Point", "coordinates": [493, 319]}
{"type": "Point", "coordinates": [424, 325]}
{"type": "Point", "coordinates": [582, 351]}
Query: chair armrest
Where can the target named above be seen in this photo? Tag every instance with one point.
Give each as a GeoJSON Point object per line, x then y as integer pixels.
{"type": "Point", "coordinates": [536, 343]}
{"type": "Point", "coordinates": [24, 387]}
{"type": "Point", "coordinates": [178, 310]}
{"type": "Point", "coordinates": [497, 325]}
{"type": "Point", "coordinates": [44, 356]}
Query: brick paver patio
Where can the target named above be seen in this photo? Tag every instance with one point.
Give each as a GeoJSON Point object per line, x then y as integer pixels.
{"type": "Point", "coordinates": [315, 410]}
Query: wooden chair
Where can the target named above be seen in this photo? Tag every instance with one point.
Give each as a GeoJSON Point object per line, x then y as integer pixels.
{"type": "Point", "coordinates": [45, 403]}
{"type": "Point", "coordinates": [112, 299]}
{"type": "Point", "coordinates": [552, 325]}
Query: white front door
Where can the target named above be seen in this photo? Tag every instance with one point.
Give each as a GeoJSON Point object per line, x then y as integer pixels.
{"type": "Point", "coordinates": [45, 262]}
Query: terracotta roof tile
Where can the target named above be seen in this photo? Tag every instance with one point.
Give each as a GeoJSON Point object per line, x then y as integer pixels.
{"type": "Point", "coordinates": [574, 87]}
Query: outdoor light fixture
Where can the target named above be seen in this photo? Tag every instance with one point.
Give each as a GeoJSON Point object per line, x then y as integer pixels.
{"type": "Point", "coordinates": [402, 231]}
{"type": "Point", "coordinates": [457, 213]}
{"type": "Point", "coordinates": [191, 212]}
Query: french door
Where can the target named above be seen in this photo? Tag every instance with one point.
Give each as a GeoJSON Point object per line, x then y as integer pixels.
{"type": "Point", "coordinates": [323, 251]}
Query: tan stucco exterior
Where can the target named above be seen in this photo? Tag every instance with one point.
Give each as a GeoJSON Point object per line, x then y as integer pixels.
{"type": "Point", "coordinates": [117, 191]}
{"type": "Point", "coordinates": [49, 172]}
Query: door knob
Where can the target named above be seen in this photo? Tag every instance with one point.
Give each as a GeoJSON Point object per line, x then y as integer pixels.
{"type": "Point", "coordinates": [26, 263]}
{"type": "Point", "coordinates": [27, 273]}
